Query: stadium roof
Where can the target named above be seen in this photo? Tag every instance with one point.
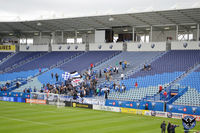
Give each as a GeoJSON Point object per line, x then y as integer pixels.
{"type": "Point", "coordinates": [144, 19]}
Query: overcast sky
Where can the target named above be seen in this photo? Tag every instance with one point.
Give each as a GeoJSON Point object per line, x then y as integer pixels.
{"type": "Point", "coordinates": [16, 10]}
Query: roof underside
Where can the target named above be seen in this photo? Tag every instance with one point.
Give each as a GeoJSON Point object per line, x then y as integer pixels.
{"type": "Point", "coordinates": [145, 19]}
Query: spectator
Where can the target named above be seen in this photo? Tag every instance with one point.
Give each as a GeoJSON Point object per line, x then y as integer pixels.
{"type": "Point", "coordinates": [149, 67]}
{"type": "Point", "coordinates": [52, 75]}
{"type": "Point", "coordinates": [18, 84]}
{"type": "Point", "coordinates": [106, 95]}
{"type": "Point", "coordinates": [100, 74]}
{"type": "Point", "coordinates": [160, 88]}
{"type": "Point", "coordinates": [123, 88]}
{"type": "Point", "coordinates": [117, 68]}
{"type": "Point", "coordinates": [56, 77]}
{"type": "Point", "coordinates": [165, 94]}
{"type": "Point", "coordinates": [125, 63]}
{"type": "Point", "coordinates": [91, 66]}
{"type": "Point", "coordinates": [114, 69]}
{"type": "Point", "coordinates": [35, 90]}
{"type": "Point", "coordinates": [172, 129]}
{"type": "Point", "coordinates": [168, 127]}
{"type": "Point", "coordinates": [145, 67]}
{"type": "Point", "coordinates": [117, 88]}
{"type": "Point", "coordinates": [40, 70]}
{"type": "Point", "coordinates": [136, 84]}
{"type": "Point", "coordinates": [163, 126]}
{"type": "Point", "coordinates": [122, 76]}
{"type": "Point", "coordinates": [123, 66]}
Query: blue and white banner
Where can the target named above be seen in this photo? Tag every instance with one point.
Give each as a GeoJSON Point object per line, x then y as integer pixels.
{"type": "Point", "coordinates": [66, 76]}
{"type": "Point", "coordinates": [75, 74]}
{"type": "Point", "coordinates": [72, 75]}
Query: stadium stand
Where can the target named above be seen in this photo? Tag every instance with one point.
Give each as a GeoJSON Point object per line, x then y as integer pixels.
{"type": "Point", "coordinates": [134, 60]}
{"type": "Point", "coordinates": [192, 96]}
{"type": "Point", "coordinates": [162, 73]}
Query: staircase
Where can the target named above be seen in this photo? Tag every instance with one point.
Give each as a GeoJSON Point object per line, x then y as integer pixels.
{"type": "Point", "coordinates": [130, 70]}
{"type": "Point", "coordinates": [170, 86]}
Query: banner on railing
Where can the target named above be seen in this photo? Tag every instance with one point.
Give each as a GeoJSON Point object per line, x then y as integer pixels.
{"type": "Point", "coordinates": [106, 108]}
{"type": "Point", "coordinates": [7, 47]}
{"type": "Point", "coordinates": [35, 101]}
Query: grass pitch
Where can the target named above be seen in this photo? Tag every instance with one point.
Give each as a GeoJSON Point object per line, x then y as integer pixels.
{"type": "Point", "coordinates": [26, 118]}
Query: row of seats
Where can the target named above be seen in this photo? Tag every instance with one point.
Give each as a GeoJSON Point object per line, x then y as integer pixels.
{"type": "Point", "coordinates": [4, 55]}
{"type": "Point", "coordinates": [190, 98]}
{"type": "Point", "coordinates": [133, 94]}
{"type": "Point", "coordinates": [173, 61]}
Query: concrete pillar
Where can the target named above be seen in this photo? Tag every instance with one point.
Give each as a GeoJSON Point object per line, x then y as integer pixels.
{"type": "Point", "coordinates": [151, 30]}
{"type": "Point", "coordinates": [176, 32]}
{"type": "Point", "coordinates": [75, 38]}
{"type": "Point", "coordinates": [62, 37]}
{"type": "Point", "coordinates": [26, 40]}
{"type": "Point", "coordinates": [197, 32]}
{"type": "Point", "coordinates": [133, 32]}
{"type": "Point", "coordinates": [40, 39]}
{"type": "Point", "coordinates": [53, 37]}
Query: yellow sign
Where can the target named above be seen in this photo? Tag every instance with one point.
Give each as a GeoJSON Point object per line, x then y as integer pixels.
{"type": "Point", "coordinates": [74, 104]}
{"type": "Point", "coordinates": [132, 111]}
{"type": "Point", "coordinates": [7, 47]}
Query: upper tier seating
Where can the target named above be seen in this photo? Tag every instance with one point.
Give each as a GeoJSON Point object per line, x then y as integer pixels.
{"type": "Point", "coordinates": [4, 55]}
{"type": "Point", "coordinates": [134, 60]}
{"type": "Point", "coordinates": [19, 57]}
{"type": "Point", "coordinates": [45, 61]}
{"type": "Point", "coordinates": [192, 80]}
{"type": "Point", "coordinates": [173, 61]}
{"type": "Point", "coordinates": [83, 62]}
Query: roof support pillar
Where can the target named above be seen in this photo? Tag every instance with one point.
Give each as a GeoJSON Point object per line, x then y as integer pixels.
{"type": "Point", "coordinates": [40, 38]}
{"type": "Point", "coordinates": [75, 38]}
{"type": "Point", "coordinates": [151, 30]}
{"type": "Point", "coordinates": [198, 33]}
{"type": "Point", "coordinates": [176, 32]}
{"type": "Point", "coordinates": [26, 40]}
{"type": "Point", "coordinates": [53, 37]}
{"type": "Point", "coordinates": [133, 32]}
{"type": "Point", "coordinates": [62, 37]}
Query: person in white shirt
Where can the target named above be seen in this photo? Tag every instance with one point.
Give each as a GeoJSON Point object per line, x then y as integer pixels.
{"type": "Point", "coordinates": [123, 88]}
{"type": "Point", "coordinates": [117, 69]}
{"type": "Point", "coordinates": [122, 76]}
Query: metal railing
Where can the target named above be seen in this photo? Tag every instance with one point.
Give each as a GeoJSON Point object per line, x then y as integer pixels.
{"type": "Point", "coordinates": [23, 62]}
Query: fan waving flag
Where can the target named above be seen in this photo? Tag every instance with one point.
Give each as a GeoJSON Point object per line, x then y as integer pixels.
{"type": "Point", "coordinates": [66, 76]}
{"type": "Point", "coordinates": [75, 74]}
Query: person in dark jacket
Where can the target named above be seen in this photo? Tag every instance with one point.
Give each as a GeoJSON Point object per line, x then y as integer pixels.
{"type": "Point", "coordinates": [172, 129]}
{"type": "Point", "coordinates": [168, 127]}
{"type": "Point", "coordinates": [56, 77]}
{"type": "Point", "coordinates": [52, 75]}
{"type": "Point", "coordinates": [163, 126]}
{"type": "Point", "coordinates": [100, 74]}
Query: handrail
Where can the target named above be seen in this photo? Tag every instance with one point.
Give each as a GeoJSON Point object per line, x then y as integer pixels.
{"type": "Point", "coordinates": [7, 57]}
{"type": "Point", "coordinates": [104, 60]}
{"type": "Point", "coordinates": [23, 62]}
{"type": "Point", "coordinates": [131, 72]}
